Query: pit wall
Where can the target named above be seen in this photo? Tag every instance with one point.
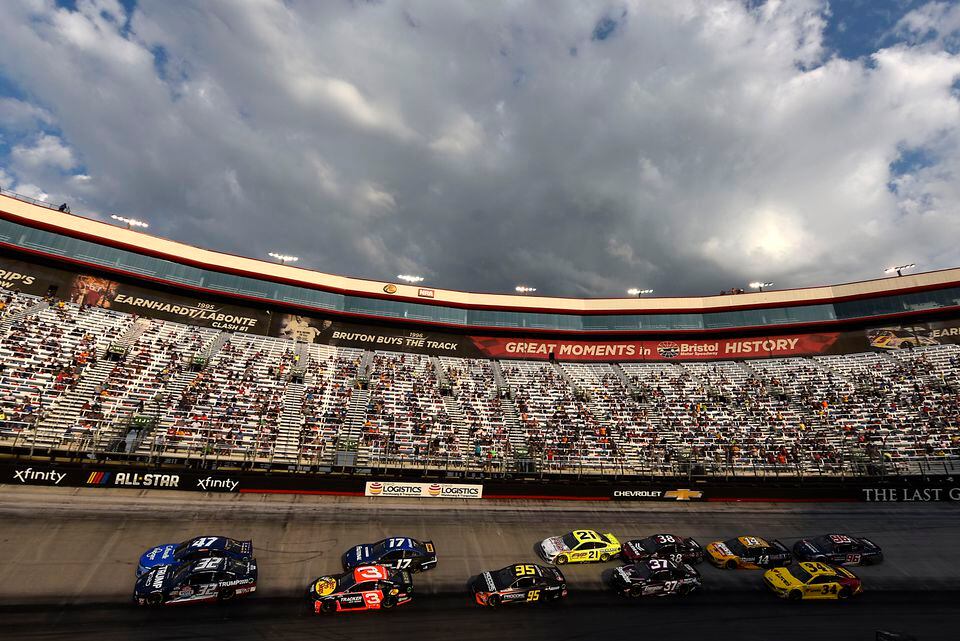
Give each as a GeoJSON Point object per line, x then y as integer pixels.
{"type": "Point", "coordinates": [861, 489]}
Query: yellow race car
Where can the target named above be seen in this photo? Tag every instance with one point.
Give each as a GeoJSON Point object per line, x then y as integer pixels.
{"type": "Point", "coordinates": [579, 546]}
{"type": "Point", "coordinates": [749, 553]}
{"type": "Point", "coordinates": [811, 580]}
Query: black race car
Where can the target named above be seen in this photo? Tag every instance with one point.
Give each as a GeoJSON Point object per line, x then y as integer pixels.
{"type": "Point", "coordinates": [397, 552]}
{"type": "Point", "coordinates": [655, 577]}
{"type": "Point", "coordinates": [520, 583]}
{"type": "Point", "coordinates": [838, 549]}
{"type": "Point", "coordinates": [368, 587]}
{"type": "Point", "coordinates": [203, 580]}
{"type": "Point", "coordinates": [662, 546]}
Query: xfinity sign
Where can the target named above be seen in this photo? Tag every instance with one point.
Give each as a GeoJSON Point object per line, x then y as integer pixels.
{"type": "Point", "coordinates": [211, 484]}
{"type": "Point", "coordinates": [30, 475]}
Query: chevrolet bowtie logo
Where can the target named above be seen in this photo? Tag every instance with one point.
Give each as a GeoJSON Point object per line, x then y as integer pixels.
{"type": "Point", "coordinates": [683, 495]}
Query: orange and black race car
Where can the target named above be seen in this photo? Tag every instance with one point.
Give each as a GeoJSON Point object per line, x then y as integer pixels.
{"type": "Point", "coordinates": [368, 587]}
{"type": "Point", "coordinates": [748, 553]}
{"type": "Point", "coordinates": [519, 583]}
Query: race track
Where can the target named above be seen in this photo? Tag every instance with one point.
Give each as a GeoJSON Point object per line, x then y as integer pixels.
{"type": "Point", "coordinates": [67, 558]}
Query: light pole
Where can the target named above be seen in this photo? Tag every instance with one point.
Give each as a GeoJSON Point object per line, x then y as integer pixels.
{"type": "Point", "coordinates": [633, 291]}
{"type": "Point", "coordinates": [899, 269]}
{"type": "Point", "coordinates": [408, 278]}
{"type": "Point", "coordinates": [283, 258]}
{"type": "Point", "coordinates": [130, 222]}
{"type": "Point", "coordinates": [523, 290]}
{"type": "Point", "coordinates": [760, 284]}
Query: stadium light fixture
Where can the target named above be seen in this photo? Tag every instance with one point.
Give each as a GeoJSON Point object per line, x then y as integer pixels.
{"type": "Point", "coordinates": [633, 291]}
{"type": "Point", "coordinates": [899, 269]}
{"type": "Point", "coordinates": [283, 258]}
{"type": "Point", "coordinates": [760, 285]}
{"type": "Point", "coordinates": [523, 289]}
{"type": "Point", "coordinates": [129, 222]}
{"type": "Point", "coordinates": [408, 278]}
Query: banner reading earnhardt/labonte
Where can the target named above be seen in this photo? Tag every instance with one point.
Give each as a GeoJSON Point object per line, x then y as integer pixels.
{"type": "Point", "coordinates": [95, 291]}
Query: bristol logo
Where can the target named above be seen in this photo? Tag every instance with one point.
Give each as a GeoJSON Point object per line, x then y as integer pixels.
{"type": "Point", "coordinates": [668, 349]}
{"type": "Point", "coordinates": [30, 474]}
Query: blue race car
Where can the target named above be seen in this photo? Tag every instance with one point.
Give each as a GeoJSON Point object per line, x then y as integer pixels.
{"type": "Point", "coordinates": [196, 548]}
{"type": "Point", "coordinates": [203, 580]}
{"type": "Point", "coordinates": [398, 553]}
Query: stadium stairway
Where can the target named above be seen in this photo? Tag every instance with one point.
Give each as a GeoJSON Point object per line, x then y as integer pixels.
{"type": "Point", "coordinates": [624, 378]}
{"type": "Point", "coordinates": [287, 446]}
{"type": "Point", "coordinates": [63, 416]}
{"type": "Point", "coordinates": [454, 411]}
{"type": "Point", "coordinates": [13, 318]}
{"type": "Point", "coordinates": [350, 436]}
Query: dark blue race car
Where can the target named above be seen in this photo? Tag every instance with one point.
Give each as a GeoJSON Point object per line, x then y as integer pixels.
{"type": "Point", "coordinates": [203, 580]}
{"type": "Point", "coordinates": [196, 548]}
{"type": "Point", "coordinates": [839, 549]}
{"type": "Point", "coordinates": [398, 553]}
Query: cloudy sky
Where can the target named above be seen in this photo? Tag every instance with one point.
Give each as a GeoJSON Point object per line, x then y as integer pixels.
{"type": "Point", "coordinates": [579, 147]}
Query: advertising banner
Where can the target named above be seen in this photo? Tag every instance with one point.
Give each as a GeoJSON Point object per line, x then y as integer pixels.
{"type": "Point", "coordinates": [398, 489]}
{"type": "Point", "coordinates": [84, 289]}
{"type": "Point", "coordinates": [894, 337]}
{"type": "Point", "coordinates": [651, 494]}
{"type": "Point", "coordinates": [139, 478]}
{"type": "Point", "coordinates": [330, 332]}
{"type": "Point", "coordinates": [677, 350]}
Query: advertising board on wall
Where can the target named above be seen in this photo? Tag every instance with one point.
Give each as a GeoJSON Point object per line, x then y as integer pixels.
{"type": "Point", "coordinates": [398, 489]}
{"type": "Point", "coordinates": [95, 291]}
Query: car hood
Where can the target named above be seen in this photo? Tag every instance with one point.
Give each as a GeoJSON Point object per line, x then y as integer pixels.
{"type": "Point", "coordinates": [155, 556]}
{"type": "Point", "coordinates": [806, 546]}
{"type": "Point", "coordinates": [780, 578]}
{"type": "Point", "coordinates": [157, 578]}
{"type": "Point", "coordinates": [633, 549]}
{"type": "Point", "coordinates": [356, 556]}
{"type": "Point", "coordinates": [553, 546]}
{"type": "Point", "coordinates": [483, 582]}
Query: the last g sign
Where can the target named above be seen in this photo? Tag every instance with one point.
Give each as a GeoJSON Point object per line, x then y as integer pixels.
{"type": "Point", "coordinates": [911, 494]}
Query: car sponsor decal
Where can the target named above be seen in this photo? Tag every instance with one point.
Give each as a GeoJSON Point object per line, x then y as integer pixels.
{"type": "Point", "coordinates": [325, 586]}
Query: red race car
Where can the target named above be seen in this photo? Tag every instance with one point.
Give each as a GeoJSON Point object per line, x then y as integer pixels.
{"type": "Point", "coordinates": [368, 587]}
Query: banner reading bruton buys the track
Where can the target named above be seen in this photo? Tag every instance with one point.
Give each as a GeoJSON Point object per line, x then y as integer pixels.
{"type": "Point", "coordinates": [699, 350]}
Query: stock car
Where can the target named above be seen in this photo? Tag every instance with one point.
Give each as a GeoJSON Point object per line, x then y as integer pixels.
{"type": "Point", "coordinates": [579, 546]}
{"type": "Point", "coordinates": [809, 580]}
{"type": "Point", "coordinates": [748, 553]}
{"type": "Point", "coordinates": [398, 552]}
{"type": "Point", "coordinates": [655, 577]}
{"type": "Point", "coordinates": [519, 583]}
{"type": "Point", "coordinates": [838, 549]}
{"type": "Point", "coordinates": [678, 549]}
{"type": "Point", "coordinates": [196, 548]}
{"type": "Point", "coordinates": [198, 581]}
{"type": "Point", "coordinates": [368, 587]}
{"type": "Point", "coordinates": [898, 338]}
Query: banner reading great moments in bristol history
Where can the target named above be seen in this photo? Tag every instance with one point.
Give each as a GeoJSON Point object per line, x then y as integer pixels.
{"type": "Point", "coordinates": [95, 291]}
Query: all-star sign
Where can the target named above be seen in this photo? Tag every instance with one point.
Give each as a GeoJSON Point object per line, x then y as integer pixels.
{"type": "Point", "coordinates": [391, 489]}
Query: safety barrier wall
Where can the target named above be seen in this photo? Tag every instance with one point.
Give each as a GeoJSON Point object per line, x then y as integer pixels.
{"type": "Point", "coordinates": [17, 472]}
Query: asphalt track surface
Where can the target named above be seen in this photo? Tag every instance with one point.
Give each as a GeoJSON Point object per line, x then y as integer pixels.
{"type": "Point", "coordinates": [67, 558]}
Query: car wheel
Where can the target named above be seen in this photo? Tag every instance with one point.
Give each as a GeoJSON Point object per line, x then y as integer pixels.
{"type": "Point", "coordinates": [561, 560]}
{"type": "Point", "coordinates": [328, 607]}
{"type": "Point", "coordinates": [795, 595]}
{"type": "Point", "coordinates": [843, 594]}
{"type": "Point", "coordinates": [227, 595]}
{"type": "Point", "coordinates": [604, 557]}
{"type": "Point", "coordinates": [730, 565]}
{"type": "Point", "coordinates": [494, 601]}
{"type": "Point", "coordinates": [155, 599]}
{"type": "Point", "coordinates": [636, 591]}
{"type": "Point", "coordinates": [388, 602]}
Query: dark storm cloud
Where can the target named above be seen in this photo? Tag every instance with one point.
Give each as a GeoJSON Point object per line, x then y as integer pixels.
{"type": "Point", "coordinates": [685, 146]}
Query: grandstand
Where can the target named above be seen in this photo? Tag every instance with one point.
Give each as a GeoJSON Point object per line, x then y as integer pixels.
{"type": "Point", "coordinates": [227, 382]}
